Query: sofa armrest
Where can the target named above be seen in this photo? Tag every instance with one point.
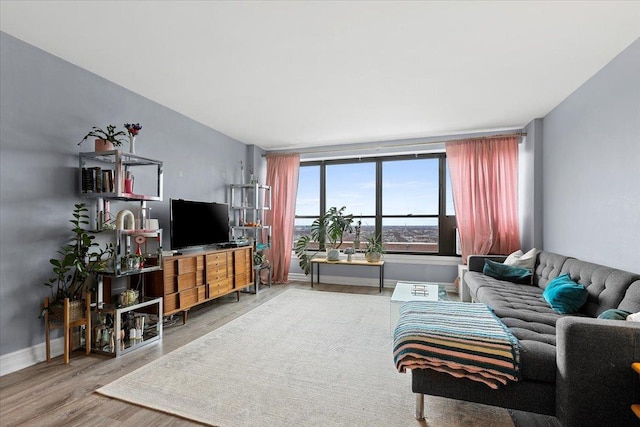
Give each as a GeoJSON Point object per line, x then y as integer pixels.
{"type": "Point", "coordinates": [476, 262]}
{"type": "Point", "coordinates": [595, 385]}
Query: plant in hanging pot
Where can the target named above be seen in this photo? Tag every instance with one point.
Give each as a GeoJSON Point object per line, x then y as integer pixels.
{"type": "Point", "coordinates": [81, 258]}
{"type": "Point", "coordinates": [106, 140]}
{"type": "Point", "coordinates": [327, 229]}
{"type": "Point", "coordinates": [374, 250]}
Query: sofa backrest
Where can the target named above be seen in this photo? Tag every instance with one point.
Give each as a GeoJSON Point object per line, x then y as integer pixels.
{"type": "Point", "coordinates": [548, 266]}
{"type": "Point", "coordinates": [606, 286]}
{"type": "Point", "coordinates": [631, 300]}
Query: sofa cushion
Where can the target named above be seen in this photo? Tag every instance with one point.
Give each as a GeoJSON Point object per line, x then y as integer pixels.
{"type": "Point", "coordinates": [564, 295]}
{"type": "Point", "coordinates": [519, 259]}
{"type": "Point", "coordinates": [614, 314]}
{"type": "Point", "coordinates": [531, 320]}
{"type": "Point", "coordinates": [510, 273]}
{"type": "Point", "coordinates": [523, 310]}
{"type": "Point", "coordinates": [631, 300]}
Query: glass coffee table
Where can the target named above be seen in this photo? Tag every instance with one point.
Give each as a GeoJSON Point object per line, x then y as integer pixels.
{"type": "Point", "coordinates": [414, 291]}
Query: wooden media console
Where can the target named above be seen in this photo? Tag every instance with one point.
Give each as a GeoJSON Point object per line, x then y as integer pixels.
{"type": "Point", "coordinates": [191, 279]}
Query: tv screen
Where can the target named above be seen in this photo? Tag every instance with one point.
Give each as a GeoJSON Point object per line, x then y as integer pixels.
{"type": "Point", "coordinates": [196, 223]}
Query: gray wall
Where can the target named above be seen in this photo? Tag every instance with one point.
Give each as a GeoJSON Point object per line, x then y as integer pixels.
{"type": "Point", "coordinates": [530, 186]}
{"type": "Point", "coordinates": [591, 168]}
{"type": "Point", "coordinates": [47, 106]}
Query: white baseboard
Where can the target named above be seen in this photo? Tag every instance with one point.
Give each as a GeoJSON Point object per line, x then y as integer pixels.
{"type": "Point", "coordinates": [29, 356]}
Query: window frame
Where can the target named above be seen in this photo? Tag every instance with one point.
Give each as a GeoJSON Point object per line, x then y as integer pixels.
{"type": "Point", "coordinates": [446, 223]}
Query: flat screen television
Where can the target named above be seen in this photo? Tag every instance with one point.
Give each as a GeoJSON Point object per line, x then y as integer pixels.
{"type": "Point", "coordinates": [197, 223]}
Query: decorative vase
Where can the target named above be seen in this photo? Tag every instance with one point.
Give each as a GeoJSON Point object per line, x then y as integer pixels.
{"type": "Point", "coordinates": [333, 255]}
{"type": "Point", "coordinates": [356, 243]}
{"type": "Point", "coordinates": [103, 145]}
{"type": "Point", "coordinates": [132, 144]}
{"type": "Point", "coordinates": [373, 256]}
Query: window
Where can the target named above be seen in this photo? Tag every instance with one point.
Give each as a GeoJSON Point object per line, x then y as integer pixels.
{"type": "Point", "coordinates": [405, 199]}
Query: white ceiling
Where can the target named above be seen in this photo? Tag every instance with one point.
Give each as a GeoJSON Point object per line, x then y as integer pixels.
{"type": "Point", "coordinates": [293, 74]}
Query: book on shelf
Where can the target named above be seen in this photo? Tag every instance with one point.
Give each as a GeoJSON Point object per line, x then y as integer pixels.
{"type": "Point", "coordinates": [97, 180]}
{"type": "Point", "coordinates": [107, 181]}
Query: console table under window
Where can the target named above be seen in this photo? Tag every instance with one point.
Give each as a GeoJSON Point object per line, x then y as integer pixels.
{"type": "Point", "coordinates": [318, 261]}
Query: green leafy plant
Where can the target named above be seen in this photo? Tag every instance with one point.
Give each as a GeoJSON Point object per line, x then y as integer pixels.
{"type": "Point", "coordinates": [78, 260]}
{"type": "Point", "coordinates": [109, 135]}
{"type": "Point", "coordinates": [327, 230]}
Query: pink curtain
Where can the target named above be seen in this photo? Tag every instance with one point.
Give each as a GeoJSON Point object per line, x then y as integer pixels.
{"type": "Point", "coordinates": [484, 177]}
{"type": "Point", "coordinates": [282, 176]}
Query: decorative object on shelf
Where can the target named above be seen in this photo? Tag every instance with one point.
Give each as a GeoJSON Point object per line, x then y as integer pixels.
{"type": "Point", "coordinates": [128, 182]}
{"type": "Point", "coordinates": [328, 229]}
{"type": "Point", "coordinates": [129, 297]}
{"type": "Point", "coordinates": [125, 214]}
{"type": "Point", "coordinates": [109, 136]}
{"type": "Point", "coordinates": [134, 261]}
{"type": "Point", "coordinates": [259, 258]}
{"type": "Point", "coordinates": [133, 129]}
{"type": "Point", "coordinates": [356, 240]}
{"type": "Point", "coordinates": [140, 240]}
{"type": "Point", "coordinates": [349, 252]}
{"type": "Point", "coordinates": [79, 259]}
{"type": "Point", "coordinates": [375, 249]}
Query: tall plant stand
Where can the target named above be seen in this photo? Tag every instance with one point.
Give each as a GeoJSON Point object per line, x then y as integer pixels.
{"type": "Point", "coordinates": [71, 317]}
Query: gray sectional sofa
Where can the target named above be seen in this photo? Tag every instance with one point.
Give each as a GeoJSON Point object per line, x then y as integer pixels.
{"type": "Point", "coordinates": [575, 367]}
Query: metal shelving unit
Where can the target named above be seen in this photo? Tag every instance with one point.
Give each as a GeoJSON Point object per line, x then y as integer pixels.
{"type": "Point", "coordinates": [248, 204]}
{"type": "Point", "coordinates": [124, 177]}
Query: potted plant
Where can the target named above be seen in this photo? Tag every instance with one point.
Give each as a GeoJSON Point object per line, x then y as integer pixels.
{"type": "Point", "coordinates": [106, 140]}
{"type": "Point", "coordinates": [375, 249]}
{"type": "Point", "coordinates": [79, 259]}
{"type": "Point", "coordinates": [327, 229]}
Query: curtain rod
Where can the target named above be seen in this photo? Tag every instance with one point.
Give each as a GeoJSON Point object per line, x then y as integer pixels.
{"type": "Point", "coordinates": [414, 144]}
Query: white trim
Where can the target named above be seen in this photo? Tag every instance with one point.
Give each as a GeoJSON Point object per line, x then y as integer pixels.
{"type": "Point", "coordinates": [12, 362]}
{"type": "Point", "coordinates": [422, 259]}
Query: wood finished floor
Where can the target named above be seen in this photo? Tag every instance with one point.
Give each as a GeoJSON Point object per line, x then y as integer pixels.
{"type": "Point", "coordinates": [55, 394]}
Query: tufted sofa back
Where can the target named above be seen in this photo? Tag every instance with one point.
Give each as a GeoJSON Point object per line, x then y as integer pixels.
{"type": "Point", "coordinates": [607, 287]}
{"type": "Point", "coordinates": [548, 266]}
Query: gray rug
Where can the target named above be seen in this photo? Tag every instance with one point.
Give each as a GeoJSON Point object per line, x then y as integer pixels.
{"type": "Point", "coordinates": [304, 358]}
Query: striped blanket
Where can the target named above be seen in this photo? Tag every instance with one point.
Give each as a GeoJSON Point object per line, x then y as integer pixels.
{"type": "Point", "coordinates": [462, 339]}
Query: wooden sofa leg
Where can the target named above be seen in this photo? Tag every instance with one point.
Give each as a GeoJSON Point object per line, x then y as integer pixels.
{"type": "Point", "coordinates": [419, 406]}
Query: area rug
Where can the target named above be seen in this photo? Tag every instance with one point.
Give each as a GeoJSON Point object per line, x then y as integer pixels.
{"type": "Point", "coordinates": [304, 358]}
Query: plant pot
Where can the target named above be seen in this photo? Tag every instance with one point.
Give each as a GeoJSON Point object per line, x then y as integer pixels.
{"type": "Point", "coordinates": [76, 312]}
{"type": "Point", "coordinates": [103, 145]}
{"type": "Point", "coordinates": [373, 256]}
{"type": "Point", "coordinates": [333, 255]}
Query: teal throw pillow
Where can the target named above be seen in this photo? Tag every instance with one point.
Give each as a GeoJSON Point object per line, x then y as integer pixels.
{"type": "Point", "coordinates": [509, 273]}
{"type": "Point", "coordinates": [564, 295]}
{"type": "Point", "coordinates": [614, 314]}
